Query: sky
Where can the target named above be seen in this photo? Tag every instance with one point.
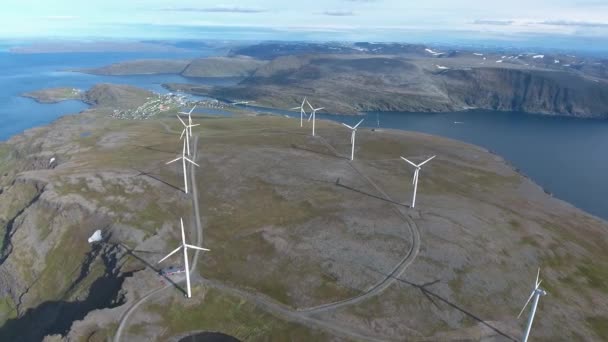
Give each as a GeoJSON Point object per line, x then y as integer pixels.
{"type": "Point", "coordinates": [378, 20]}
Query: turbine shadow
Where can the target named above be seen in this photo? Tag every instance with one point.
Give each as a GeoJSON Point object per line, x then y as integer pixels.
{"type": "Point", "coordinates": [153, 267]}
{"type": "Point", "coordinates": [156, 178]}
{"type": "Point", "coordinates": [152, 148]}
{"type": "Point", "coordinates": [294, 146]}
{"type": "Point", "coordinates": [370, 195]}
{"type": "Point", "coordinates": [430, 294]}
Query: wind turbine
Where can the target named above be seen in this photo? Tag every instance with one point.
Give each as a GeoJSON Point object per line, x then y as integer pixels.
{"type": "Point", "coordinates": [313, 116]}
{"type": "Point", "coordinates": [352, 138]}
{"type": "Point", "coordinates": [183, 158]}
{"type": "Point", "coordinates": [536, 293]}
{"type": "Point", "coordinates": [189, 118]}
{"type": "Point", "coordinates": [416, 174]}
{"type": "Point", "coordinates": [185, 246]}
{"type": "Point", "coordinates": [187, 132]}
{"type": "Point", "coordinates": [302, 111]}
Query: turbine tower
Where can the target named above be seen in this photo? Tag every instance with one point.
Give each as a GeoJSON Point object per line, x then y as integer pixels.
{"type": "Point", "coordinates": [184, 159]}
{"type": "Point", "coordinates": [416, 174]}
{"type": "Point", "coordinates": [537, 292]}
{"type": "Point", "coordinates": [352, 138]}
{"type": "Point", "coordinates": [313, 116]}
{"type": "Point", "coordinates": [302, 111]}
{"type": "Point", "coordinates": [185, 246]}
{"type": "Point", "coordinates": [189, 119]}
{"type": "Point", "coordinates": [187, 132]}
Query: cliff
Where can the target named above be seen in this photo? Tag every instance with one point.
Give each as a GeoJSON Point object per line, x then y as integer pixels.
{"type": "Point", "coordinates": [348, 84]}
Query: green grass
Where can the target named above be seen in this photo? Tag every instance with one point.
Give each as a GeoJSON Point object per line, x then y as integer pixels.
{"type": "Point", "coordinates": [243, 246]}
{"type": "Point", "coordinates": [103, 334]}
{"type": "Point", "coordinates": [599, 324]}
{"type": "Point", "coordinates": [7, 310]}
{"type": "Point", "coordinates": [529, 240]}
{"type": "Point", "coordinates": [62, 265]}
{"type": "Point", "coordinates": [595, 275]}
{"type": "Point", "coordinates": [229, 315]}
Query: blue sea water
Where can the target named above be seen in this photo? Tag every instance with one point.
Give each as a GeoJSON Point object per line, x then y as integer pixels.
{"type": "Point", "coordinates": [566, 156]}
{"type": "Point", "coordinates": [20, 73]}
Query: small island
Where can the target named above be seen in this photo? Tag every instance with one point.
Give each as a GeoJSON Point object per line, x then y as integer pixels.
{"type": "Point", "coordinates": [54, 95]}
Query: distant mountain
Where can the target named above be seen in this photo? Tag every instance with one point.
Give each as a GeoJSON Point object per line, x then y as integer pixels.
{"type": "Point", "coordinates": [355, 83]}
{"type": "Point", "coordinates": [201, 67]}
{"type": "Point", "coordinates": [271, 50]}
{"type": "Point", "coordinates": [357, 77]}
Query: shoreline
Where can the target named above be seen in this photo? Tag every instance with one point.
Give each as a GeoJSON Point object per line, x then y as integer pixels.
{"type": "Point", "coordinates": [258, 110]}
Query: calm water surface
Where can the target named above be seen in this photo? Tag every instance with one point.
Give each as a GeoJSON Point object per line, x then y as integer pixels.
{"type": "Point", "coordinates": [20, 73]}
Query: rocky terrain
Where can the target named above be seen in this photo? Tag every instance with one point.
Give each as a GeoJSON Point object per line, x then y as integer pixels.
{"type": "Point", "coordinates": [202, 67]}
{"type": "Point", "coordinates": [305, 245]}
{"type": "Point", "coordinates": [54, 95]}
{"type": "Point", "coordinates": [349, 84]}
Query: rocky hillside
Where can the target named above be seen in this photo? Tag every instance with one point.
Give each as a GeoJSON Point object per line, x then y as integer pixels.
{"type": "Point", "coordinates": [355, 83]}
{"type": "Point", "coordinates": [547, 92]}
{"type": "Point", "coordinates": [305, 245]}
{"type": "Point", "coordinates": [116, 96]}
{"type": "Point", "coordinates": [201, 67]}
{"type": "Point", "coordinates": [142, 67]}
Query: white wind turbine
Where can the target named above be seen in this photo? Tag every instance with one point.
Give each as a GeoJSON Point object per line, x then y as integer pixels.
{"type": "Point", "coordinates": [416, 174]}
{"type": "Point", "coordinates": [184, 159]}
{"type": "Point", "coordinates": [187, 132]}
{"type": "Point", "coordinates": [352, 138]}
{"type": "Point", "coordinates": [536, 293]}
{"type": "Point", "coordinates": [185, 246]}
{"type": "Point", "coordinates": [302, 111]}
{"type": "Point", "coordinates": [313, 116]}
{"type": "Point", "coordinates": [189, 118]}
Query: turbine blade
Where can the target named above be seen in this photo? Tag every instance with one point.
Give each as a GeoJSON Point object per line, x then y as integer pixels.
{"type": "Point", "coordinates": [537, 277]}
{"type": "Point", "coordinates": [426, 161]}
{"type": "Point", "coordinates": [192, 162]}
{"type": "Point", "coordinates": [181, 222]}
{"type": "Point", "coordinates": [199, 248]}
{"type": "Point", "coordinates": [174, 160]}
{"type": "Point", "coordinates": [414, 165]}
{"type": "Point", "coordinates": [194, 125]}
{"type": "Point", "coordinates": [303, 102]}
{"type": "Point", "coordinates": [357, 125]}
{"type": "Point", "coordinates": [318, 109]}
{"type": "Point", "coordinates": [182, 135]}
{"type": "Point", "coordinates": [527, 302]}
{"type": "Point", "coordinates": [170, 254]}
{"type": "Point", "coordinates": [294, 108]}
{"type": "Point", "coordinates": [309, 105]}
{"type": "Point", "coordinates": [180, 120]}
{"type": "Point", "coordinates": [192, 110]}
{"type": "Point", "coordinates": [347, 126]}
